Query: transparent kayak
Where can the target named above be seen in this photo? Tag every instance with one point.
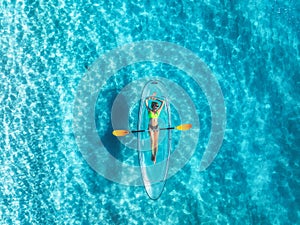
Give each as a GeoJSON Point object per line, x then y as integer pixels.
{"type": "Point", "coordinates": [154, 175]}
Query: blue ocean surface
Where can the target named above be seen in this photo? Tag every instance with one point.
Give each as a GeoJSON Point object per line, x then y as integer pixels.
{"type": "Point", "coordinates": [48, 48]}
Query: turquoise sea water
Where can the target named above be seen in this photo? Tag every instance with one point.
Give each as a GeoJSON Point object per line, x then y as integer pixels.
{"type": "Point", "coordinates": [252, 48]}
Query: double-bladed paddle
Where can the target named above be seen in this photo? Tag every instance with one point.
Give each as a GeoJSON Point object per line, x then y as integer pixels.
{"type": "Point", "coordinates": [183, 127]}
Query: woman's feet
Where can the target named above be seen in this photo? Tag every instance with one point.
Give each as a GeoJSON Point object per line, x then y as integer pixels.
{"type": "Point", "coordinates": [153, 158]}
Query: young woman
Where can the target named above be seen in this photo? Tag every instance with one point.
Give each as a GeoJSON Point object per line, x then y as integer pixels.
{"type": "Point", "coordinates": [153, 113]}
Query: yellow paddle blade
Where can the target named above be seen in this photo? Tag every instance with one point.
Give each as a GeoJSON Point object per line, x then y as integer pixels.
{"type": "Point", "coordinates": [120, 132]}
{"type": "Point", "coordinates": [184, 127]}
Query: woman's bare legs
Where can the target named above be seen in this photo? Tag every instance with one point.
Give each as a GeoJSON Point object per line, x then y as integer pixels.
{"type": "Point", "coordinates": [154, 144]}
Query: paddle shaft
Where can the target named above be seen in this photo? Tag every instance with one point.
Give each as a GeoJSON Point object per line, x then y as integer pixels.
{"type": "Point", "coordinates": [168, 128]}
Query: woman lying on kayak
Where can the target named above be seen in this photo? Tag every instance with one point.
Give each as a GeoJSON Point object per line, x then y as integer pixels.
{"type": "Point", "coordinates": [153, 113]}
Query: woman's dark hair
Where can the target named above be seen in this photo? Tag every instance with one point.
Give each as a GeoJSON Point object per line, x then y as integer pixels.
{"type": "Point", "coordinates": [154, 104]}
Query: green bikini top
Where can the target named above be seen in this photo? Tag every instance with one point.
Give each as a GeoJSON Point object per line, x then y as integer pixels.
{"type": "Point", "coordinates": [153, 115]}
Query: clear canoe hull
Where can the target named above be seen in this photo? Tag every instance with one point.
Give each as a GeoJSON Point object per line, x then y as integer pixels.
{"type": "Point", "coordinates": [154, 175]}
